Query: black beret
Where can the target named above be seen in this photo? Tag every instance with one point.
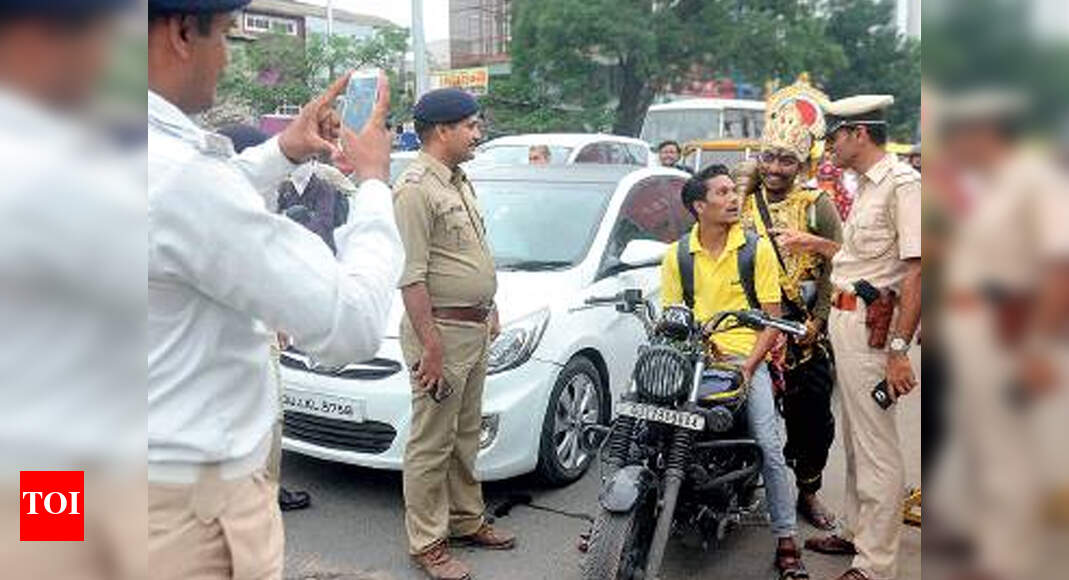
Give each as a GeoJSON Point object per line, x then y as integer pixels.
{"type": "Point", "coordinates": [243, 136]}
{"type": "Point", "coordinates": [195, 6]}
{"type": "Point", "coordinates": [445, 106]}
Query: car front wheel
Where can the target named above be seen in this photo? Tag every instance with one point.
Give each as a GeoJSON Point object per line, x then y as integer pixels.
{"type": "Point", "coordinates": [577, 400]}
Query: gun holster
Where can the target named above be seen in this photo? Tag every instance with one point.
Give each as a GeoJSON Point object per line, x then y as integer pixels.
{"type": "Point", "coordinates": [878, 316]}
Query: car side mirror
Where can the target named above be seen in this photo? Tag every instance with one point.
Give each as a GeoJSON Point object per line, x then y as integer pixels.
{"type": "Point", "coordinates": [643, 253]}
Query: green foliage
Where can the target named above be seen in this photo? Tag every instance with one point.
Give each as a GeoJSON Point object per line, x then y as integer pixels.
{"type": "Point", "coordinates": [879, 60]}
{"type": "Point", "coordinates": [592, 59]}
{"type": "Point", "coordinates": [277, 69]}
{"type": "Point", "coordinates": [987, 44]}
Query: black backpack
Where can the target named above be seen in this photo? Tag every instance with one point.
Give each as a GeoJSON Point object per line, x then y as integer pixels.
{"type": "Point", "coordinates": [747, 257]}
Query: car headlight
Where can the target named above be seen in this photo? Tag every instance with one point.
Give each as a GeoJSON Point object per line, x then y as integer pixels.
{"type": "Point", "coordinates": [488, 430]}
{"type": "Point", "coordinates": [517, 342]}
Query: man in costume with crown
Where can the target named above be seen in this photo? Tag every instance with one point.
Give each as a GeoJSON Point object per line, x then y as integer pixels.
{"type": "Point", "coordinates": [777, 199]}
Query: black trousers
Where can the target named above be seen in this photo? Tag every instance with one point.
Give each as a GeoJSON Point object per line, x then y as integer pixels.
{"type": "Point", "coordinates": [806, 408]}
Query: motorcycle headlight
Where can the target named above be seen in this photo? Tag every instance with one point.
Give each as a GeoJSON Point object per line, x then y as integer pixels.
{"type": "Point", "coordinates": [517, 342]}
{"type": "Point", "coordinates": [663, 375]}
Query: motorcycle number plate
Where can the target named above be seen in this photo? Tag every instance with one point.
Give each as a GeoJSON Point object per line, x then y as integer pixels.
{"type": "Point", "coordinates": [692, 421]}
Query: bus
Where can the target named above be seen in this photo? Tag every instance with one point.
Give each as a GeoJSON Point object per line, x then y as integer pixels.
{"type": "Point", "coordinates": [689, 120]}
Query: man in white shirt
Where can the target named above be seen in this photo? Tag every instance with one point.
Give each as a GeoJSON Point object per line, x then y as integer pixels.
{"type": "Point", "coordinates": [222, 272]}
{"type": "Point", "coordinates": [71, 292]}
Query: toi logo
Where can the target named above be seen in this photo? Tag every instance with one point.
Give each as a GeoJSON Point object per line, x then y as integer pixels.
{"type": "Point", "coordinates": [52, 506]}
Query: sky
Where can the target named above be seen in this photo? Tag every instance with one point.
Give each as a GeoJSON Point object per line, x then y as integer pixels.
{"type": "Point", "coordinates": [435, 13]}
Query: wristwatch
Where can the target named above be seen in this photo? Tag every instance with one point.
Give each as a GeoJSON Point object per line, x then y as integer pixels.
{"type": "Point", "coordinates": [898, 345]}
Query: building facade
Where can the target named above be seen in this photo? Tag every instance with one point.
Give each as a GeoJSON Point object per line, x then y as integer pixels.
{"type": "Point", "coordinates": [480, 32]}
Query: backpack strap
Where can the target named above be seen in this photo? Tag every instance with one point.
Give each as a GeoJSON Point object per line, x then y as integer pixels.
{"type": "Point", "coordinates": [747, 259]}
{"type": "Point", "coordinates": [686, 269]}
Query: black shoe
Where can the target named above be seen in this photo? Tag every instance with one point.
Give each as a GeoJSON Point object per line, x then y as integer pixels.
{"type": "Point", "coordinates": [293, 500]}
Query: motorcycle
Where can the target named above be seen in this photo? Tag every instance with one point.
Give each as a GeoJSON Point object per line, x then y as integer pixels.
{"type": "Point", "coordinates": [678, 457]}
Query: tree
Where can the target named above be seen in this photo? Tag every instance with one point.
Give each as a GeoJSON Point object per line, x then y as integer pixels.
{"type": "Point", "coordinates": [879, 60]}
{"type": "Point", "coordinates": [277, 69]}
{"type": "Point", "coordinates": [618, 54]}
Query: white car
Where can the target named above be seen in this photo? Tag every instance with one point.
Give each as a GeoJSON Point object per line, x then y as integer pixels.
{"type": "Point", "coordinates": [568, 148]}
{"type": "Point", "coordinates": [559, 235]}
{"type": "Point", "coordinates": [399, 160]}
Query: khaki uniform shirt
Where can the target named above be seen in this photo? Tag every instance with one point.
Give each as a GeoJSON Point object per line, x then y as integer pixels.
{"type": "Point", "coordinates": [1017, 225]}
{"type": "Point", "coordinates": [444, 235]}
{"type": "Point", "coordinates": [883, 228]}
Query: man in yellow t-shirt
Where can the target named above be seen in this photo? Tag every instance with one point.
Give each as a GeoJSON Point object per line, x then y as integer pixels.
{"type": "Point", "coordinates": [715, 243]}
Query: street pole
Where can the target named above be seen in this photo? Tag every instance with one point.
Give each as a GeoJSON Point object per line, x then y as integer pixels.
{"type": "Point", "coordinates": [419, 49]}
{"type": "Point", "coordinates": [330, 18]}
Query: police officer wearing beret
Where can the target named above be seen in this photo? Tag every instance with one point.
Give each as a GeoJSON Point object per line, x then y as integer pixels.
{"type": "Point", "coordinates": [223, 274]}
{"type": "Point", "coordinates": [876, 270]}
{"type": "Point", "coordinates": [448, 285]}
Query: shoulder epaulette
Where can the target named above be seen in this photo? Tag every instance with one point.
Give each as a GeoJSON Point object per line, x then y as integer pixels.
{"type": "Point", "coordinates": [215, 145]}
{"type": "Point", "coordinates": [413, 174]}
{"type": "Point", "coordinates": [904, 174]}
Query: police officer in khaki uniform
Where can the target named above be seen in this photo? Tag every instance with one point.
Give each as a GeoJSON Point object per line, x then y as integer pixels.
{"type": "Point", "coordinates": [448, 287]}
{"type": "Point", "coordinates": [876, 271]}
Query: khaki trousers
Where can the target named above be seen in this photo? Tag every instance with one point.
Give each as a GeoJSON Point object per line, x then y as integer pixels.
{"type": "Point", "coordinates": [875, 471]}
{"type": "Point", "coordinates": [997, 438]}
{"type": "Point", "coordinates": [215, 529]}
{"type": "Point", "coordinates": [443, 497]}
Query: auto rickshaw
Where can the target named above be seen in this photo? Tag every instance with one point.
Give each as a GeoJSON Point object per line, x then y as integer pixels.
{"type": "Point", "coordinates": [698, 155]}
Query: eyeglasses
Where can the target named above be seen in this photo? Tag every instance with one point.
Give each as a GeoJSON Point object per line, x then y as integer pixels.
{"type": "Point", "coordinates": [784, 159]}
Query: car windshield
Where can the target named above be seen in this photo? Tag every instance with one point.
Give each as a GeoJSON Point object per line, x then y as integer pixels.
{"type": "Point", "coordinates": [517, 154]}
{"type": "Point", "coordinates": [681, 125]}
{"type": "Point", "coordinates": [538, 225]}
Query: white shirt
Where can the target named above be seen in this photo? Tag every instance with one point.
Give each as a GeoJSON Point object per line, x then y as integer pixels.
{"type": "Point", "coordinates": [224, 274]}
{"type": "Point", "coordinates": [72, 296]}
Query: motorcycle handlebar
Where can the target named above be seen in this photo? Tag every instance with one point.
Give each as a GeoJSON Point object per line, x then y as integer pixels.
{"type": "Point", "coordinates": [595, 300]}
{"type": "Point", "coordinates": [760, 319]}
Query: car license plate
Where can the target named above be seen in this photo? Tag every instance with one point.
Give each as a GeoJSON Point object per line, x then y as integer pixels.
{"type": "Point", "coordinates": [328, 406]}
{"type": "Point", "coordinates": [692, 421]}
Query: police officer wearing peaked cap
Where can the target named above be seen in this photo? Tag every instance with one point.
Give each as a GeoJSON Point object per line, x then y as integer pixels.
{"type": "Point", "coordinates": [875, 270]}
{"type": "Point", "coordinates": [448, 286]}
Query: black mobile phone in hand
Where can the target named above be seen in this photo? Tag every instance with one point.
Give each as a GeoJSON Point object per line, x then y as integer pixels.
{"type": "Point", "coordinates": [439, 393]}
{"type": "Point", "coordinates": [882, 395]}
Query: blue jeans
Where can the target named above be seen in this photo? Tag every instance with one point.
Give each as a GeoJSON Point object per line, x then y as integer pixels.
{"type": "Point", "coordinates": [766, 428]}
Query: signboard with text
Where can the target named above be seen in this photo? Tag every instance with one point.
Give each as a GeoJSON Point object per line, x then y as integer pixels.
{"type": "Point", "coordinates": [474, 80]}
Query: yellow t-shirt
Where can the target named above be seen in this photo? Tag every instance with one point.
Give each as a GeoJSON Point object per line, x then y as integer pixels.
{"type": "Point", "coordinates": [717, 286]}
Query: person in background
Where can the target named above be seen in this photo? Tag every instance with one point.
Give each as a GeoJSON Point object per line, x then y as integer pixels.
{"type": "Point", "coordinates": [830, 180]}
{"type": "Point", "coordinates": [224, 274]}
{"type": "Point", "coordinates": [915, 157]}
{"type": "Point", "coordinates": [409, 138]}
{"type": "Point", "coordinates": [538, 155]}
{"type": "Point", "coordinates": [669, 153]}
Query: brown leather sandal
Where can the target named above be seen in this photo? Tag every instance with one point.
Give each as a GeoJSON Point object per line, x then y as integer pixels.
{"type": "Point", "coordinates": [789, 562]}
{"type": "Point", "coordinates": [832, 544]}
{"type": "Point", "coordinates": [814, 512]}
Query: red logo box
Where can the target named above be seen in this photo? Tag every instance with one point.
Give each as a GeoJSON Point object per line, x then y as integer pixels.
{"type": "Point", "coordinates": [52, 506]}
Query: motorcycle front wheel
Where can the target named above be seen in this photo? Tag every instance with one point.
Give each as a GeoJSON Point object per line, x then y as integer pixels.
{"type": "Point", "coordinates": [620, 542]}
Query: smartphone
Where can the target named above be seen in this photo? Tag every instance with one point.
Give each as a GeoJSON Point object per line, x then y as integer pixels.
{"type": "Point", "coordinates": [882, 395]}
{"type": "Point", "coordinates": [359, 98]}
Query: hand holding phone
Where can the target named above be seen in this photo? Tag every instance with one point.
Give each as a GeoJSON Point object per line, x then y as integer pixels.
{"type": "Point", "coordinates": [365, 146]}
{"type": "Point", "coordinates": [882, 395]}
{"type": "Point", "coordinates": [360, 97]}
